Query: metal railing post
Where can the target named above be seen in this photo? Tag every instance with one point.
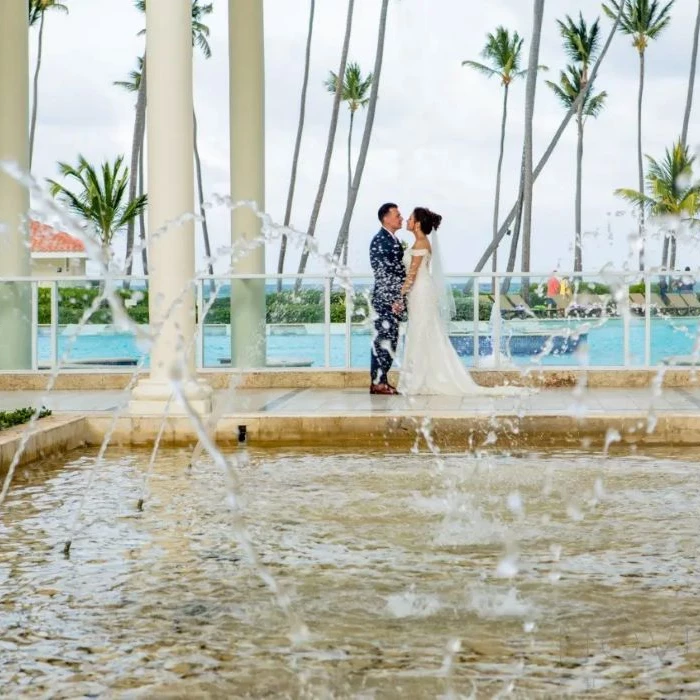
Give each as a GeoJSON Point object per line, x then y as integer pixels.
{"type": "Point", "coordinates": [625, 323]}
{"type": "Point", "coordinates": [327, 321]}
{"type": "Point", "coordinates": [647, 319]}
{"type": "Point", "coordinates": [54, 324]}
{"type": "Point", "coordinates": [349, 308]}
{"type": "Point", "coordinates": [199, 360]}
{"type": "Point", "coordinates": [475, 319]}
{"type": "Point", "coordinates": [496, 330]}
{"type": "Point", "coordinates": [35, 324]}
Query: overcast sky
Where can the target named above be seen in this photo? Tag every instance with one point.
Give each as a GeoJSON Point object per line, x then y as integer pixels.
{"type": "Point", "coordinates": [436, 130]}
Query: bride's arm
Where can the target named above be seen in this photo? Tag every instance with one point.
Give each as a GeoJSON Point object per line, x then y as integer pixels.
{"type": "Point", "coordinates": [416, 260]}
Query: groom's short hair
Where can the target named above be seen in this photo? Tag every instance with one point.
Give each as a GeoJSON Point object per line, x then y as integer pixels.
{"type": "Point", "coordinates": [385, 209]}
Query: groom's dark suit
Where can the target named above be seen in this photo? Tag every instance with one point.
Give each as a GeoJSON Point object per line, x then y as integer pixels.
{"type": "Point", "coordinates": [386, 258]}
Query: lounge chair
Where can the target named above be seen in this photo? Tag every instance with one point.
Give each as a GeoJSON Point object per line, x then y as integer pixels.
{"type": "Point", "coordinates": [676, 304]}
{"type": "Point", "coordinates": [520, 305]}
{"type": "Point", "coordinates": [692, 301]}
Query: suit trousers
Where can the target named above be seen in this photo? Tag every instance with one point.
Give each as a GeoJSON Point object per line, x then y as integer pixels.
{"type": "Point", "coordinates": [384, 345]}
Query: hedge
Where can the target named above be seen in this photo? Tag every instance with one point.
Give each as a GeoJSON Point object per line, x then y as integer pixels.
{"type": "Point", "coordinates": [9, 419]}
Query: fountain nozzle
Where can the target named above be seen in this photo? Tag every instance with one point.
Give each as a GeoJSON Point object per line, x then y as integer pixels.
{"type": "Point", "coordinates": [242, 434]}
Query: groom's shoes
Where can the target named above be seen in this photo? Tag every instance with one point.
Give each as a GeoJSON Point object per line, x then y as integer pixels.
{"type": "Point", "coordinates": [383, 389]}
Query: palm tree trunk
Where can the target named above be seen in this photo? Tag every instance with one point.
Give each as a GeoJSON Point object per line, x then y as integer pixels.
{"type": "Point", "coordinates": [347, 236]}
{"type": "Point", "coordinates": [530, 90]}
{"type": "Point", "coordinates": [664, 253]}
{"type": "Point", "coordinates": [691, 79]}
{"type": "Point", "coordinates": [136, 145]}
{"type": "Point", "coordinates": [200, 191]}
{"type": "Point", "coordinates": [297, 145]}
{"type": "Point", "coordinates": [366, 135]}
{"type": "Point", "coordinates": [329, 145]}
{"type": "Point", "coordinates": [497, 198]}
{"type": "Point", "coordinates": [672, 261]}
{"type": "Point", "coordinates": [142, 215]}
{"type": "Point", "coordinates": [552, 145]}
{"type": "Point", "coordinates": [35, 95]}
{"type": "Point", "coordinates": [578, 252]}
{"type": "Point", "coordinates": [505, 286]}
{"type": "Point", "coordinates": [640, 164]}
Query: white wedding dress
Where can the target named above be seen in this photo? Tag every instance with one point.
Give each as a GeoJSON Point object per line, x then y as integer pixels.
{"type": "Point", "coordinates": [431, 365]}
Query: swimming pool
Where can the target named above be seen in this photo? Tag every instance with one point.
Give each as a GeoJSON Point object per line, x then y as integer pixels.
{"type": "Point", "coordinates": [603, 346]}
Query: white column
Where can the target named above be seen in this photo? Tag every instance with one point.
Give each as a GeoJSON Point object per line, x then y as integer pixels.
{"type": "Point", "coordinates": [170, 196]}
{"type": "Point", "coordinates": [15, 299]}
{"type": "Point", "coordinates": [247, 129]}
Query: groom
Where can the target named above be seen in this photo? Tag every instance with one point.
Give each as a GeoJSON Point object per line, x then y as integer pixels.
{"type": "Point", "coordinates": [386, 258]}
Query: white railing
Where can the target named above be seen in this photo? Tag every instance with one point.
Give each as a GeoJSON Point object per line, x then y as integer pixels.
{"type": "Point", "coordinates": [617, 281]}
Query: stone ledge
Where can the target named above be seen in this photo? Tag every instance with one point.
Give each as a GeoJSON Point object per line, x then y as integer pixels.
{"type": "Point", "coordinates": [364, 431]}
{"type": "Point", "coordinates": [551, 377]}
{"type": "Point", "coordinates": [49, 436]}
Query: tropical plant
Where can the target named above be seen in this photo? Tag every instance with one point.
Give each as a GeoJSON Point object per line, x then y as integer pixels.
{"type": "Point", "coordinates": [366, 134]}
{"type": "Point", "coordinates": [581, 43]}
{"type": "Point", "coordinates": [505, 226]}
{"type": "Point", "coordinates": [643, 20]}
{"type": "Point", "coordinates": [671, 195]}
{"type": "Point", "coordinates": [691, 79]}
{"type": "Point", "coordinates": [37, 14]}
{"type": "Point", "coordinates": [332, 128]}
{"type": "Point", "coordinates": [99, 198]}
{"type": "Point", "coordinates": [297, 144]}
{"type": "Point", "coordinates": [137, 83]}
{"type": "Point", "coordinates": [503, 54]}
{"type": "Point", "coordinates": [354, 92]}
{"type": "Point", "coordinates": [530, 89]}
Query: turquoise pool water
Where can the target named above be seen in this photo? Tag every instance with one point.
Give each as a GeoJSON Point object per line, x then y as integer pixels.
{"type": "Point", "coordinates": [603, 347]}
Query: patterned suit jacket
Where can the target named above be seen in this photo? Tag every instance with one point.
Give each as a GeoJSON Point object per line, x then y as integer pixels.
{"type": "Point", "coordinates": [386, 258]}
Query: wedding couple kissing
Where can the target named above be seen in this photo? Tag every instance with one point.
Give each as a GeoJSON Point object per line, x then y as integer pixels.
{"type": "Point", "coordinates": [409, 286]}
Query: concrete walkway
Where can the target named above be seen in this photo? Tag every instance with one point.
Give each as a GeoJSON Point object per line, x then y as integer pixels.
{"type": "Point", "coordinates": [340, 402]}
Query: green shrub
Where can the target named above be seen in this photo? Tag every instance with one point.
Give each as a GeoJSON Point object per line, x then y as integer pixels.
{"type": "Point", "coordinates": [9, 419]}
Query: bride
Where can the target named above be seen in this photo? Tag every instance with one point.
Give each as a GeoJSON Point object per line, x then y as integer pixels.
{"type": "Point", "coordinates": [431, 365]}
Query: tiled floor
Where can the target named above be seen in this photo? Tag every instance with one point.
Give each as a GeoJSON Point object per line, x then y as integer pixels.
{"type": "Point", "coordinates": [315, 402]}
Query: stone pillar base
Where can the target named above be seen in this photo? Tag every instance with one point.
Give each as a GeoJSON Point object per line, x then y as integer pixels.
{"type": "Point", "coordinates": [150, 397]}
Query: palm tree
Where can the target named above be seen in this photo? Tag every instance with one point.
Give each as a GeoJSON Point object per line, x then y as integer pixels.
{"type": "Point", "coordinates": [505, 226]}
{"type": "Point", "coordinates": [503, 54]}
{"type": "Point", "coordinates": [529, 179]}
{"type": "Point", "coordinates": [100, 197]}
{"type": "Point", "coordinates": [691, 79]}
{"type": "Point", "coordinates": [311, 231]}
{"type": "Point", "coordinates": [200, 38]}
{"type": "Point", "coordinates": [671, 194]}
{"type": "Point", "coordinates": [366, 134]}
{"type": "Point", "coordinates": [37, 13]}
{"type": "Point", "coordinates": [571, 84]}
{"type": "Point", "coordinates": [643, 20]}
{"type": "Point", "coordinates": [137, 83]}
{"type": "Point", "coordinates": [581, 44]}
{"type": "Point", "coordinates": [297, 143]}
{"type": "Point", "coordinates": [354, 92]}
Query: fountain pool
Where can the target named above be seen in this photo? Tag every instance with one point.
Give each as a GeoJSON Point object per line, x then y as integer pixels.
{"type": "Point", "coordinates": [538, 574]}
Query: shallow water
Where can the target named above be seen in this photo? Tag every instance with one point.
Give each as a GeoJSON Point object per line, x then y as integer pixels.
{"type": "Point", "coordinates": [538, 575]}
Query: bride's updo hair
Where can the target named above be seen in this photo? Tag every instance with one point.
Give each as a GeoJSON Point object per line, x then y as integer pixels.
{"type": "Point", "coordinates": [428, 220]}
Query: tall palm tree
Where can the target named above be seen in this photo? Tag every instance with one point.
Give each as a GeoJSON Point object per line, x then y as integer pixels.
{"type": "Point", "coordinates": [571, 84]}
{"type": "Point", "coordinates": [505, 226]}
{"type": "Point", "coordinates": [137, 83]}
{"type": "Point", "coordinates": [643, 20]}
{"type": "Point", "coordinates": [671, 193]}
{"type": "Point", "coordinates": [37, 13]}
{"type": "Point", "coordinates": [332, 128]}
{"type": "Point", "coordinates": [366, 134]}
{"type": "Point", "coordinates": [581, 44]}
{"type": "Point", "coordinates": [100, 197]}
{"type": "Point", "coordinates": [503, 54]}
{"type": "Point", "coordinates": [529, 178]}
{"type": "Point", "coordinates": [297, 143]}
{"type": "Point", "coordinates": [354, 93]}
{"type": "Point", "coordinates": [691, 79]}
{"type": "Point", "coordinates": [200, 38]}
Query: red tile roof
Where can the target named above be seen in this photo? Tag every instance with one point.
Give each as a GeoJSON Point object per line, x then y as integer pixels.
{"type": "Point", "coordinates": [45, 239]}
